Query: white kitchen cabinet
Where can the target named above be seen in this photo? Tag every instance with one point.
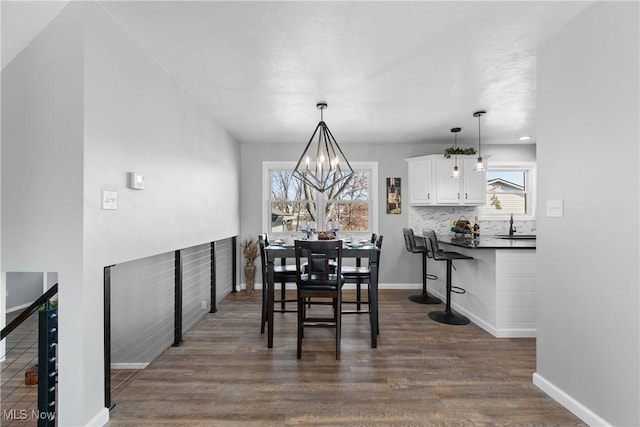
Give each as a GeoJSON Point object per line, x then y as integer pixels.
{"type": "Point", "coordinates": [430, 182]}
{"type": "Point", "coordinates": [421, 183]}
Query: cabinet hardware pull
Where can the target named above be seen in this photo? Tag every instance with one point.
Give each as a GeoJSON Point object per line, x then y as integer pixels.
{"type": "Point", "coordinates": [465, 196]}
{"type": "Point", "coordinates": [458, 196]}
{"type": "Point", "coordinates": [428, 196]}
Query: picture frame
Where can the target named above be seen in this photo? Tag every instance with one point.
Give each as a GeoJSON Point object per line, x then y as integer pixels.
{"type": "Point", "coordinates": [394, 199]}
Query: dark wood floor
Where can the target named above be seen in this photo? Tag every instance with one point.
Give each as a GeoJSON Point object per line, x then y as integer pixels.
{"type": "Point", "coordinates": [422, 374]}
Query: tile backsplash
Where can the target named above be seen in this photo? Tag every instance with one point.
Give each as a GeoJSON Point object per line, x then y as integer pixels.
{"type": "Point", "coordinates": [440, 219]}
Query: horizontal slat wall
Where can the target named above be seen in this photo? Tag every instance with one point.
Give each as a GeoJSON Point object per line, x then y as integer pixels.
{"type": "Point", "coordinates": [224, 265]}
{"type": "Point", "coordinates": [196, 284]}
{"type": "Point", "coordinates": [142, 299]}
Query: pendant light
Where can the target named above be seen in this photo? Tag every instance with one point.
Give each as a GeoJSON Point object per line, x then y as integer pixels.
{"type": "Point", "coordinates": [324, 166]}
{"type": "Point", "coordinates": [456, 171]}
{"type": "Point", "coordinates": [480, 163]}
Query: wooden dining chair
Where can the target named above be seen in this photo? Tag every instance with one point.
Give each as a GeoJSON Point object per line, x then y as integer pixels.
{"type": "Point", "coordinates": [354, 274]}
{"type": "Point", "coordinates": [362, 275]}
{"type": "Point", "coordinates": [283, 274]}
{"type": "Point", "coordinates": [319, 278]}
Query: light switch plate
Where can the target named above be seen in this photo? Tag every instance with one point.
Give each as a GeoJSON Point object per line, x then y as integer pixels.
{"type": "Point", "coordinates": [555, 208]}
{"type": "Point", "coordinates": [109, 200]}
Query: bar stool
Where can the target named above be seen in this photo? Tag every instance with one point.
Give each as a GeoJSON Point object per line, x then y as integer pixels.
{"type": "Point", "coordinates": [413, 246]}
{"type": "Point", "coordinates": [447, 316]}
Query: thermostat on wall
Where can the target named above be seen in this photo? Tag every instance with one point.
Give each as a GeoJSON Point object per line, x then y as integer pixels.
{"type": "Point", "coordinates": [136, 181]}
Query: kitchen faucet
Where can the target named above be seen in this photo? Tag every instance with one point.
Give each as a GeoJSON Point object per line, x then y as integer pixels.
{"type": "Point", "coordinates": [512, 229]}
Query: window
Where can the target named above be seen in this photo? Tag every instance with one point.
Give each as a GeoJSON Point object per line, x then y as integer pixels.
{"type": "Point", "coordinates": [290, 206]}
{"type": "Point", "coordinates": [510, 190]}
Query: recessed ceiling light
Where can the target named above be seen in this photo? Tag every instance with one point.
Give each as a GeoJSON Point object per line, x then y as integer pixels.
{"type": "Point", "coordinates": [524, 138]}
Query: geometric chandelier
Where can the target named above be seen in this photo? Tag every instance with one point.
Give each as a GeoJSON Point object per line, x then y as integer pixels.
{"type": "Point", "coordinates": [323, 165]}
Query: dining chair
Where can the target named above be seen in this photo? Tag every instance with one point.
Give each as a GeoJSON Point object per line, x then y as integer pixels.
{"type": "Point", "coordinates": [433, 249]}
{"type": "Point", "coordinates": [282, 273]}
{"type": "Point", "coordinates": [319, 279]}
{"type": "Point", "coordinates": [362, 275]}
{"type": "Point", "coordinates": [417, 246]}
{"type": "Point", "coordinates": [354, 274]}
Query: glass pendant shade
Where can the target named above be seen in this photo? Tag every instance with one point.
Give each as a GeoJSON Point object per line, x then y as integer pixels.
{"type": "Point", "coordinates": [479, 164]}
{"type": "Point", "coordinates": [455, 174]}
{"type": "Point", "coordinates": [322, 164]}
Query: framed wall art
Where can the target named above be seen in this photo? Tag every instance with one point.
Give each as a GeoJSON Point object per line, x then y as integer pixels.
{"type": "Point", "coordinates": [394, 205]}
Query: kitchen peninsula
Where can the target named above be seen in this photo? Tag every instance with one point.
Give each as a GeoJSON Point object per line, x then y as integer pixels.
{"type": "Point", "coordinates": [500, 283]}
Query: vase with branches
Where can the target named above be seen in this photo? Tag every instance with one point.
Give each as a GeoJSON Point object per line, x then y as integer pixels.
{"type": "Point", "coordinates": [251, 252]}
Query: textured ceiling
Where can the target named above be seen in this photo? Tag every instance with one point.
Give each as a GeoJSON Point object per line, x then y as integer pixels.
{"type": "Point", "coordinates": [390, 71]}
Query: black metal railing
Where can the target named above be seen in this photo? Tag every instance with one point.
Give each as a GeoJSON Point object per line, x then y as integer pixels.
{"type": "Point", "coordinates": [47, 346]}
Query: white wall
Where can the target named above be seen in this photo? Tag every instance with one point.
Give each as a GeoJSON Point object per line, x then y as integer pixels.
{"type": "Point", "coordinates": [588, 156]}
{"type": "Point", "coordinates": [86, 105]}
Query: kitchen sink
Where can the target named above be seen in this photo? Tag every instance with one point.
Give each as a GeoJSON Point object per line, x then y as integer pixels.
{"type": "Point", "coordinates": [516, 236]}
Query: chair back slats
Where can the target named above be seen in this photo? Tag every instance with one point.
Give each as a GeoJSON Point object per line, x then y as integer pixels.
{"type": "Point", "coordinates": [318, 262]}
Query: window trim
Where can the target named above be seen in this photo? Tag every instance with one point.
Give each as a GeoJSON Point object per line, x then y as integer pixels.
{"type": "Point", "coordinates": [373, 193]}
{"type": "Point", "coordinates": [530, 167]}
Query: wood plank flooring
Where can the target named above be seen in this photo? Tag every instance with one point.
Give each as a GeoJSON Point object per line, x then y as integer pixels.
{"type": "Point", "coordinates": [422, 374]}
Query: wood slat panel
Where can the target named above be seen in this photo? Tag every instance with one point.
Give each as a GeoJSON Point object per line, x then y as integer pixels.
{"type": "Point", "coordinates": [422, 374]}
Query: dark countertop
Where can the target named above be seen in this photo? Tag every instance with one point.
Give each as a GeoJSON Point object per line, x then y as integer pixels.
{"type": "Point", "coordinates": [487, 242]}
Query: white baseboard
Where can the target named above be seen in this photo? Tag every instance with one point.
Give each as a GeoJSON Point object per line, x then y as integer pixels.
{"type": "Point", "coordinates": [100, 419]}
{"type": "Point", "coordinates": [19, 307]}
{"type": "Point", "coordinates": [496, 332]}
{"type": "Point", "coordinates": [129, 365]}
{"type": "Point", "coordinates": [575, 407]}
{"type": "Point", "coordinates": [516, 333]}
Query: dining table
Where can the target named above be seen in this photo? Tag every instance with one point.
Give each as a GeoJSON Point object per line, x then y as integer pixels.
{"type": "Point", "coordinates": [367, 251]}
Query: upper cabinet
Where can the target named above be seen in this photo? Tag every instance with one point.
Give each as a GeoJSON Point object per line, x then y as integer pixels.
{"type": "Point", "coordinates": [430, 182]}
{"type": "Point", "coordinates": [421, 190]}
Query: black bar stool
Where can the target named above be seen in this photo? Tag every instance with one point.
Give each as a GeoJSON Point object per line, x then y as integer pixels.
{"type": "Point", "coordinates": [418, 247]}
{"type": "Point", "coordinates": [447, 316]}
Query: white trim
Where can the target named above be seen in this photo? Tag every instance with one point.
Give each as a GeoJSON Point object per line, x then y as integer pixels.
{"type": "Point", "coordinates": [531, 190]}
{"type": "Point", "coordinates": [19, 307]}
{"type": "Point", "coordinates": [575, 407]}
{"type": "Point", "coordinates": [496, 332]}
{"type": "Point", "coordinates": [100, 419]}
{"type": "Point", "coordinates": [129, 365]}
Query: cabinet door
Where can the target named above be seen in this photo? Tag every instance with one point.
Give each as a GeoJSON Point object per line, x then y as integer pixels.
{"type": "Point", "coordinates": [420, 184]}
{"type": "Point", "coordinates": [474, 184]}
{"type": "Point", "coordinates": [448, 189]}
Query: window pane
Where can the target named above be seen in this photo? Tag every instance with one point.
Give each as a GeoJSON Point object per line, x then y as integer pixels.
{"type": "Point", "coordinates": [356, 188]}
{"type": "Point", "coordinates": [351, 216]}
{"type": "Point", "coordinates": [291, 216]}
{"type": "Point", "coordinates": [506, 181]}
{"type": "Point", "coordinates": [506, 204]}
{"type": "Point", "coordinates": [506, 192]}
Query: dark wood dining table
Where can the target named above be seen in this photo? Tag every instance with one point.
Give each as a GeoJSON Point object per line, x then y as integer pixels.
{"type": "Point", "coordinates": [369, 252]}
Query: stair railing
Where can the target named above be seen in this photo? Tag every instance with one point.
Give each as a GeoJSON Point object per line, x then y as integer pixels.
{"type": "Point", "coordinates": [47, 344]}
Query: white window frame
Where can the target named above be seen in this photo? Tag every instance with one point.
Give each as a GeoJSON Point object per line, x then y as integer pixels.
{"type": "Point", "coordinates": [372, 167]}
{"type": "Point", "coordinates": [530, 185]}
